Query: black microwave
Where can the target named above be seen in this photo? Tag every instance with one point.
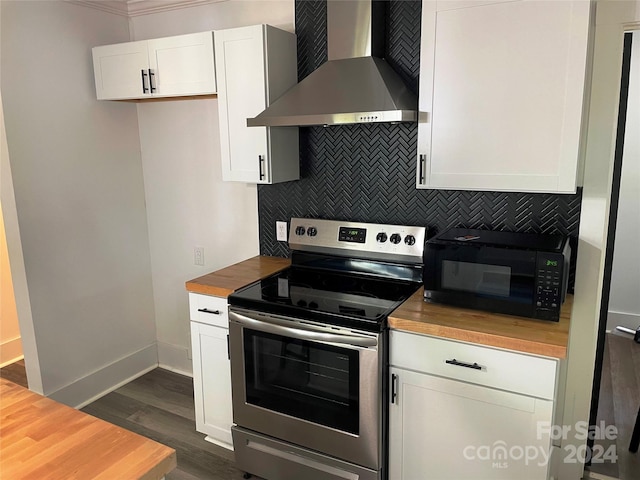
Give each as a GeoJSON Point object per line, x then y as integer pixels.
{"type": "Point", "coordinates": [520, 274]}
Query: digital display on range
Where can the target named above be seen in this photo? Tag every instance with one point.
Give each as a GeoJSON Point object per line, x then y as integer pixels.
{"type": "Point", "coordinates": [355, 235]}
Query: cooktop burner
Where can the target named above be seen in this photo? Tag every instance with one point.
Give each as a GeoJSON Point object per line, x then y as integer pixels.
{"type": "Point", "coordinates": [351, 299]}
{"type": "Point", "coordinates": [342, 273]}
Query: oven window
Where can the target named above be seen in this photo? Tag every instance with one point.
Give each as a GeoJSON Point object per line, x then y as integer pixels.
{"type": "Point", "coordinates": [307, 380]}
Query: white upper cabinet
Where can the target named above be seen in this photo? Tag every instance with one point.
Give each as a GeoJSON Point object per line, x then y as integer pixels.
{"type": "Point", "coordinates": [119, 70]}
{"type": "Point", "coordinates": [501, 95]}
{"type": "Point", "coordinates": [255, 65]}
{"type": "Point", "coordinates": [164, 67]}
{"type": "Point", "coordinates": [183, 65]}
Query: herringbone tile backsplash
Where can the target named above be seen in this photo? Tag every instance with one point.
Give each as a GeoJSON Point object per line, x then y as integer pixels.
{"type": "Point", "coordinates": [366, 173]}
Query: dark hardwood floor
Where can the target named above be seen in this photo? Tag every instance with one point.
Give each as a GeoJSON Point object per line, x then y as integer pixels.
{"type": "Point", "coordinates": [159, 405]}
{"type": "Point", "coordinates": [618, 405]}
{"type": "Point", "coordinates": [15, 373]}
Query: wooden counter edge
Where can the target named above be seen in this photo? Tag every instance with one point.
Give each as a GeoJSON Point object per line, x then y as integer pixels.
{"type": "Point", "coordinates": [165, 466]}
{"type": "Point", "coordinates": [401, 320]}
{"type": "Point", "coordinates": [20, 401]}
{"type": "Point", "coordinates": [225, 281]}
{"type": "Point", "coordinates": [480, 338]}
{"type": "Point", "coordinates": [222, 292]}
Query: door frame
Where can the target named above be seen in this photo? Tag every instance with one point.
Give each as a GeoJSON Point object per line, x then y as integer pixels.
{"type": "Point", "coordinates": [611, 21]}
{"type": "Point", "coordinates": [611, 229]}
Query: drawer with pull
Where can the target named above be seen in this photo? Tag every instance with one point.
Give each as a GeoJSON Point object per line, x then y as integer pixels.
{"type": "Point", "coordinates": [208, 309]}
{"type": "Point", "coordinates": [492, 367]}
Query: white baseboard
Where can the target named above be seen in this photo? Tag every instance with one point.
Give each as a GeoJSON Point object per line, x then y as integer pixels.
{"type": "Point", "coordinates": [97, 384]}
{"type": "Point", "coordinates": [175, 358]}
{"type": "Point", "coordinates": [588, 475]}
{"type": "Point", "coordinates": [11, 351]}
{"type": "Point", "coordinates": [624, 319]}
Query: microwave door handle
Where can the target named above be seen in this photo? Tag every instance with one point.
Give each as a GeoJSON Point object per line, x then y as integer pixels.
{"type": "Point", "coordinates": [302, 334]}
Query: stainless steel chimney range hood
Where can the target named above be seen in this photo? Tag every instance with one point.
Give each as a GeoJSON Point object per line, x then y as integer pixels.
{"type": "Point", "coordinates": [355, 85]}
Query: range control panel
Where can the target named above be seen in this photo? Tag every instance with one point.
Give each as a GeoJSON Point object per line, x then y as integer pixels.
{"type": "Point", "coordinates": [392, 242]}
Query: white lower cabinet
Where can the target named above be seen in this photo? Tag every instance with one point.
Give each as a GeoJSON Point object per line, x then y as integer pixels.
{"type": "Point", "coordinates": [211, 369]}
{"type": "Point", "coordinates": [443, 426]}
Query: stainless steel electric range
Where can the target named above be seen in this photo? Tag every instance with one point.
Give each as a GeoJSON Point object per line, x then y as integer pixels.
{"type": "Point", "coordinates": [308, 350]}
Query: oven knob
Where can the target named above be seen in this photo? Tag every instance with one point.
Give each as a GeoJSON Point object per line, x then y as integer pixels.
{"type": "Point", "coordinates": [302, 303]}
{"type": "Point", "coordinates": [395, 238]}
{"type": "Point", "coordinates": [410, 240]}
{"type": "Point", "coordinates": [312, 231]}
{"type": "Point", "coordinates": [300, 230]}
{"type": "Point", "coordinates": [381, 237]}
{"type": "Point", "coordinates": [313, 305]}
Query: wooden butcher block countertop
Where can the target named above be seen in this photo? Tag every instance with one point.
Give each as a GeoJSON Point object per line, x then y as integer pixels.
{"type": "Point", "coordinates": [41, 438]}
{"type": "Point", "coordinates": [415, 315]}
{"type": "Point", "coordinates": [223, 283]}
{"type": "Point", "coordinates": [540, 337]}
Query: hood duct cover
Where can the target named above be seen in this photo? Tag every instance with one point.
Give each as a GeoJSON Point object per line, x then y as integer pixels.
{"type": "Point", "coordinates": [355, 85]}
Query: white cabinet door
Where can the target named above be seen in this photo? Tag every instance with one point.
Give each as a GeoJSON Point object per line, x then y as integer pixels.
{"type": "Point", "coordinates": [247, 76]}
{"type": "Point", "coordinates": [164, 67]}
{"type": "Point", "coordinates": [502, 88]}
{"type": "Point", "coordinates": [212, 383]}
{"type": "Point", "coordinates": [447, 429]}
{"type": "Point", "coordinates": [182, 65]}
{"type": "Point", "coordinates": [120, 71]}
{"type": "Point", "coordinates": [241, 71]}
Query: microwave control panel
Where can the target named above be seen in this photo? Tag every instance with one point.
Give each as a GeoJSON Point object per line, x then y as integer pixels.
{"type": "Point", "coordinates": [549, 285]}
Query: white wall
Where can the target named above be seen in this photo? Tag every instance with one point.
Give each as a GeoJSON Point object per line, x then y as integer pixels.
{"type": "Point", "coordinates": [214, 16]}
{"type": "Point", "coordinates": [14, 252]}
{"type": "Point", "coordinates": [188, 205]}
{"type": "Point", "coordinates": [624, 301]}
{"type": "Point", "coordinates": [612, 16]}
{"type": "Point", "coordinates": [10, 342]}
{"type": "Point", "coordinates": [79, 197]}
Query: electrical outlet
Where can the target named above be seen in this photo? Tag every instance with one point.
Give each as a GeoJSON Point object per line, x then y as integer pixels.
{"type": "Point", "coordinates": [281, 231]}
{"type": "Point", "coordinates": [198, 256]}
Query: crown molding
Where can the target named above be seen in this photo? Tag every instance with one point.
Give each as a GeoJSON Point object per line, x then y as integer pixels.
{"type": "Point", "coordinates": [117, 7]}
{"type": "Point", "coordinates": [134, 8]}
{"type": "Point", "coordinates": [145, 7]}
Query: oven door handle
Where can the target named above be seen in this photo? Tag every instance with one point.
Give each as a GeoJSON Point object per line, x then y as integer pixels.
{"type": "Point", "coordinates": [301, 333]}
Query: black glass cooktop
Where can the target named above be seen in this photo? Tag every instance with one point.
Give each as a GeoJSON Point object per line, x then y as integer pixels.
{"type": "Point", "coordinates": [340, 298]}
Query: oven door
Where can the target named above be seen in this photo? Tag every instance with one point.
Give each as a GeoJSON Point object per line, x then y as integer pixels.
{"type": "Point", "coordinates": [307, 383]}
